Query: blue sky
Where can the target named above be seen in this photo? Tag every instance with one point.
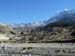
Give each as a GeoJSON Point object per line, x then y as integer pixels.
{"type": "Point", "coordinates": [28, 11]}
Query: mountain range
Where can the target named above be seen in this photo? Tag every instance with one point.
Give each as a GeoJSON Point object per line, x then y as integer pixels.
{"type": "Point", "coordinates": [60, 27]}
{"type": "Point", "coordinates": [61, 16]}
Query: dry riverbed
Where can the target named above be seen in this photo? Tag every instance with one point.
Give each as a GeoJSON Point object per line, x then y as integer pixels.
{"type": "Point", "coordinates": [37, 49]}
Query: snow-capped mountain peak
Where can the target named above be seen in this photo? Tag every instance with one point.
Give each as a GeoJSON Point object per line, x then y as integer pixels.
{"type": "Point", "coordinates": [65, 14]}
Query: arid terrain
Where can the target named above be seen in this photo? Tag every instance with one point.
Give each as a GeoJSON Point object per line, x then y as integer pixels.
{"type": "Point", "coordinates": [37, 49]}
{"type": "Point", "coordinates": [54, 37]}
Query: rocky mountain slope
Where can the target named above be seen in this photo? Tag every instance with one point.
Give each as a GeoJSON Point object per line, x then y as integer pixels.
{"type": "Point", "coordinates": [59, 28]}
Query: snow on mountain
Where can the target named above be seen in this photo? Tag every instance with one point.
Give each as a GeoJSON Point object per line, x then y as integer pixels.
{"type": "Point", "coordinates": [64, 15]}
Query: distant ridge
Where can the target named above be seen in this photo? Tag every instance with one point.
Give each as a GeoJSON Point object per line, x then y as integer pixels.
{"type": "Point", "coordinates": [59, 28]}
{"type": "Point", "coordinates": [58, 17]}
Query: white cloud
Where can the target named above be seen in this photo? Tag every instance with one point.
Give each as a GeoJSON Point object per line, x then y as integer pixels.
{"type": "Point", "coordinates": [66, 9]}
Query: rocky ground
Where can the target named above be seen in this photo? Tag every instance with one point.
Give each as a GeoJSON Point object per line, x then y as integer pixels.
{"type": "Point", "coordinates": [53, 32]}
{"type": "Point", "coordinates": [37, 49]}
{"type": "Point", "coordinates": [49, 33]}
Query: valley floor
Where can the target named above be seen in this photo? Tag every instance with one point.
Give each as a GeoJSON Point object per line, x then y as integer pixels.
{"type": "Point", "coordinates": [37, 49]}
